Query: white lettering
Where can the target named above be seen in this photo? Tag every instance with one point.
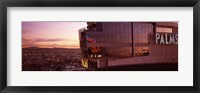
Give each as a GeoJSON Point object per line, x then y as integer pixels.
{"type": "Point", "coordinates": [176, 37]}
{"type": "Point", "coordinates": [162, 39]}
{"type": "Point", "coordinates": [166, 38]}
{"type": "Point", "coordinates": [171, 39]}
{"type": "Point", "coordinates": [157, 37]}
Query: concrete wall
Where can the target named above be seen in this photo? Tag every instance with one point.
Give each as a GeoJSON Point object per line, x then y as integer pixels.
{"type": "Point", "coordinates": [158, 54]}
{"type": "Point", "coordinates": [156, 59]}
{"type": "Point", "coordinates": [165, 49]}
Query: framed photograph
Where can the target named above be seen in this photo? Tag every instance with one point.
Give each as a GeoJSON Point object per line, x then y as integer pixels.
{"type": "Point", "coordinates": [76, 46]}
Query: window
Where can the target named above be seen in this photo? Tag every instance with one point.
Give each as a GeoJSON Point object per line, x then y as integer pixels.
{"type": "Point", "coordinates": [141, 51]}
{"type": "Point", "coordinates": [140, 35]}
{"type": "Point", "coordinates": [141, 31]}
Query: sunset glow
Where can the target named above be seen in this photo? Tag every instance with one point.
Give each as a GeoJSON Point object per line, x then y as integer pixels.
{"type": "Point", "coordinates": [51, 34]}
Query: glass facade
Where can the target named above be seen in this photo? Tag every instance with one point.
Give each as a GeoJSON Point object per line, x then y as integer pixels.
{"type": "Point", "coordinates": [118, 35]}
{"type": "Point", "coordinates": [118, 40]}
{"type": "Point", "coordinates": [114, 40]}
{"type": "Point", "coordinates": [140, 35]}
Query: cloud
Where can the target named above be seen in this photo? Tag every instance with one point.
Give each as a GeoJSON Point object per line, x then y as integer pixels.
{"type": "Point", "coordinates": [26, 40]}
{"type": "Point", "coordinates": [56, 45]}
{"type": "Point", "coordinates": [28, 43]}
{"type": "Point", "coordinates": [39, 43]}
{"type": "Point", "coordinates": [25, 31]}
{"type": "Point", "coordinates": [48, 40]}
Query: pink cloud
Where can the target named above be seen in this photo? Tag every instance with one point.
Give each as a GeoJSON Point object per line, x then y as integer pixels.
{"type": "Point", "coordinates": [48, 40]}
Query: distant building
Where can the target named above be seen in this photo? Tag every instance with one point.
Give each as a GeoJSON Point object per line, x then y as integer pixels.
{"type": "Point", "coordinates": [110, 44]}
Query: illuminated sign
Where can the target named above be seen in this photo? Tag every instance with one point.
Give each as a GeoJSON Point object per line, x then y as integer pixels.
{"type": "Point", "coordinates": [166, 38]}
{"type": "Point", "coordinates": [84, 63]}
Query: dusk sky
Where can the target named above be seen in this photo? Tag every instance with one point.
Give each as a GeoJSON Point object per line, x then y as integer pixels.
{"type": "Point", "coordinates": [51, 34]}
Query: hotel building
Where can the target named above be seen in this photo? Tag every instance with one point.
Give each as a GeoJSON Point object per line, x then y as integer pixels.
{"type": "Point", "coordinates": [115, 44]}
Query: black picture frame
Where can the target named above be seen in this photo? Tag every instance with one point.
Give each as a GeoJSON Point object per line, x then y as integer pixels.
{"type": "Point", "coordinates": [98, 3]}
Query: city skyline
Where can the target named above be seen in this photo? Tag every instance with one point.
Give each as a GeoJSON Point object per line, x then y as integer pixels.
{"type": "Point", "coordinates": [100, 46]}
{"type": "Point", "coordinates": [51, 34]}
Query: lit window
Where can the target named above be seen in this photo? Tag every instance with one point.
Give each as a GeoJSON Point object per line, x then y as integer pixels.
{"type": "Point", "coordinates": [99, 55]}
{"type": "Point", "coordinates": [141, 51]}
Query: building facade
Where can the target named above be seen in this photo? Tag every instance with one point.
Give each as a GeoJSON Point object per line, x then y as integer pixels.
{"type": "Point", "coordinates": [114, 44]}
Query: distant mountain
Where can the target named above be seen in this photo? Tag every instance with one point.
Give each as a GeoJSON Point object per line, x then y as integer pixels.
{"type": "Point", "coordinates": [34, 47]}
{"type": "Point", "coordinates": [48, 48]}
